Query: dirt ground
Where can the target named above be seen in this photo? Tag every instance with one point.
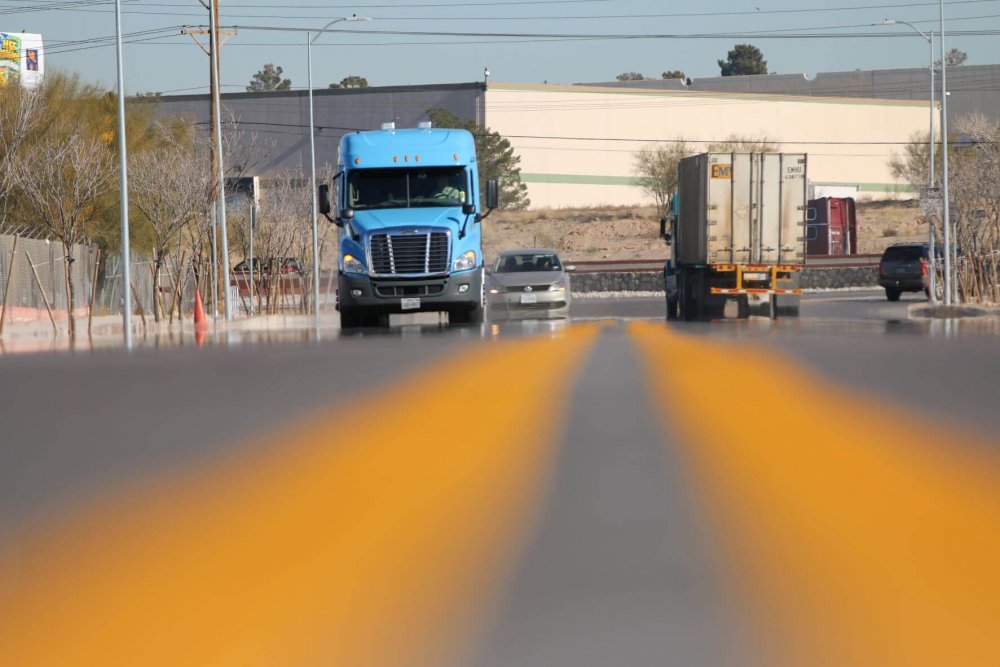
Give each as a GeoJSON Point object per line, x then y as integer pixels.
{"type": "Point", "coordinates": [633, 232]}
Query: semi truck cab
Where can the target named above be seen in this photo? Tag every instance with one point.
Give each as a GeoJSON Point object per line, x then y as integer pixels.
{"type": "Point", "coordinates": [407, 202]}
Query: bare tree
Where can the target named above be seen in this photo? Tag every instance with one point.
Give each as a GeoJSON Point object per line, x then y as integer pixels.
{"type": "Point", "coordinates": [63, 183]}
{"type": "Point", "coordinates": [18, 117]}
{"type": "Point", "coordinates": [743, 143]}
{"type": "Point", "coordinates": [282, 230]}
{"type": "Point", "coordinates": [974, 194]}
{"type": "Point", "coordinates": [168, 189]}
{"type": "Point", "coordinates": [656, 167]}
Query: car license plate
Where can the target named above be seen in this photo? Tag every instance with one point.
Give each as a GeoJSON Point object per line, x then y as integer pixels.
{"type": "Point", "coordinates": [410, 304]}
{"type": "Point", "coordinates": [751, 275]}
{"type": "Point", "coordinates": [529, 298]}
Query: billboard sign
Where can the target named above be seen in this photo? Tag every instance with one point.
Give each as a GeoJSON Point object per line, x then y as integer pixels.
{"type": "Point", "coordinates": [21, 59]}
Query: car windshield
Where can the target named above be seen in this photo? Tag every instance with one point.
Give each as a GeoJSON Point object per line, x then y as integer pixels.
{"type": "Point", "coordinates": [527, 262]}
{"type": "Point", "coordinates": [407, 188]}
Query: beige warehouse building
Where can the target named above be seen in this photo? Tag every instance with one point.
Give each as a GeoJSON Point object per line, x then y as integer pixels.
{"type": "Point", "coordinates": [577, 143]}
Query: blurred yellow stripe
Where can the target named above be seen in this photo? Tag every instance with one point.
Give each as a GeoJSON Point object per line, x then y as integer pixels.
{"type": "Point", "coordinates": [375, 534]}
{"type": "Point", "coordinates": [860, 534]}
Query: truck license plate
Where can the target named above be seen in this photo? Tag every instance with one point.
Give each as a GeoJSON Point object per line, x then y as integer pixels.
{"type": "Point", "coordinates": [750, 275]}
{"type": "Point", "coordinates": [410, 304]}
{"type": "Point", "coordinates": [529, 298]}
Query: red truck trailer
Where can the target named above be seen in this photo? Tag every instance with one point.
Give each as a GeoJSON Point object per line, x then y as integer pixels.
{"type": "Point", "coordinates": [831, 226]}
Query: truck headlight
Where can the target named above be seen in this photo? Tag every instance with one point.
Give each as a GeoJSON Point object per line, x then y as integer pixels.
{"type": "Point", "coordinates": [466, 261]}
{"type": "Point", "coordinates": [557, 287]}
{"type": "Point", "coordinates": [353, 265]}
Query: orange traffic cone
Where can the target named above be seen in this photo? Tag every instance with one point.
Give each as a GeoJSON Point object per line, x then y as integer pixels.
{"type": "Point", "coordinates": [199, 313]}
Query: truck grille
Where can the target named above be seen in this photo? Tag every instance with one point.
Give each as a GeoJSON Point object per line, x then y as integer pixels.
{"type": "Point", "coordinates": [409, 254]}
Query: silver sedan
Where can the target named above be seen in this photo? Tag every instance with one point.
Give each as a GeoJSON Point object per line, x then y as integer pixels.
{"type": "Point", "coordinates": [529, 283]}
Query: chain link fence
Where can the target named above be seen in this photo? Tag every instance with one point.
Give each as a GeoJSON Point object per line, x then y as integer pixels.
{"type": "Point", "coordinates": [33, 280]}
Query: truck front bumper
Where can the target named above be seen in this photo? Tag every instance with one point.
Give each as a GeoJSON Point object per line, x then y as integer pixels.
{"type": "Point", "coordinates": [460, 291]}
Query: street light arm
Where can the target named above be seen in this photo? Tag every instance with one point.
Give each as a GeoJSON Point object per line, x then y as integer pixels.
{"type": "Point", "coordinates": [895, 21]}
{"type": "Point", "coordinates": [348, 19]}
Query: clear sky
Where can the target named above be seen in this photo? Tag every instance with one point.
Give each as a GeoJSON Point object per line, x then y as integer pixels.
{"type": "Point", "coordinates": [524, 41]}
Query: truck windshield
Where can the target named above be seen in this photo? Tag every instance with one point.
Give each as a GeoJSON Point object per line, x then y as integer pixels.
{"type": "Point", "coordinates": [405, 188]}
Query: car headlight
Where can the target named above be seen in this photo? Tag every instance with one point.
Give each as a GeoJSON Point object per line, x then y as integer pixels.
{"type": "Point", "coordinates": [466, 261]}
{"type": "Point", "coordinates": [353, 265]}
{"type": "Point", "coordinates": [557, 287]}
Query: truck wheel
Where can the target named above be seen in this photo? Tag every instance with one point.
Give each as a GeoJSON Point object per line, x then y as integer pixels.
{"type": "Point", "coordinates": [472, 315]}
{"type": "Point", "coordinates": [349, 318]}
{"type": "Point", "coordinates": [375, 320]}
{"type": "Point", "coordinates": [672, 308]}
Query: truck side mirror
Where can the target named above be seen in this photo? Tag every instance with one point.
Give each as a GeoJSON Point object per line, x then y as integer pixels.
{"type": "Point", "coordinates": [492, 194]}
{"type": "Point", "coordinates": [664, 234]}
{"type": "Point", "coordinates": [324, 199]}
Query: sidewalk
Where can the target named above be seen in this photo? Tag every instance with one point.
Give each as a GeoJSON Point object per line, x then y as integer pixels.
{"type": "Point", "coordinates": [107, 332]}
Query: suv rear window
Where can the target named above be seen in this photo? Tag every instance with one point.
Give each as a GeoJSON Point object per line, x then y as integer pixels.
{"type": "Point", "coordinates": [903, 253]}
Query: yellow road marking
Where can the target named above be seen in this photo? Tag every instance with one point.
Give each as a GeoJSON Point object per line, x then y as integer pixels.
{"type": "Point", "coordinates": [860, 534]}
{"type": "Point", "coordinates": [375, 534]}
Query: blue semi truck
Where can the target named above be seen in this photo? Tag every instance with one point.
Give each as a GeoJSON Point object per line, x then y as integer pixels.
{"type": "Point", "coordinates": [408, 204]}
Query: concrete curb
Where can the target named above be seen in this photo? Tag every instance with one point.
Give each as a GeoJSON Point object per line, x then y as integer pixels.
{"type": "Point", "coordinates": [939, 311]}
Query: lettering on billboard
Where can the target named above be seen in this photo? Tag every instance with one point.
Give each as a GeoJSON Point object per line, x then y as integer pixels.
{"type": "Point", "coordinates": [724, 171]}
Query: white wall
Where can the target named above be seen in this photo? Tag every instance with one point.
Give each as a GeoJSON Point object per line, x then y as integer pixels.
{"type": "Point", "coordinates": [577, 143]}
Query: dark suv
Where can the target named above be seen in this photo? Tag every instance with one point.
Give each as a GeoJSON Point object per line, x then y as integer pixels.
{"type": "Point", "coordinates": [903, 268]}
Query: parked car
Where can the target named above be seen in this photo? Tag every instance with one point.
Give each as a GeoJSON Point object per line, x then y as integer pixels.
{"type": "Point", "coordinates": [271, 265]}
{"type": "Point", "coordinates": [531, 282]}
{"type": "Point", "coordinates": [289, 269]}
{"type": "Point", "coordinates": [903, 268]}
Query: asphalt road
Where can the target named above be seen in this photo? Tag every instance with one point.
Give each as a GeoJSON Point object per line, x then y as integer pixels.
{"type": "Point", "coordinates": [608, 490]}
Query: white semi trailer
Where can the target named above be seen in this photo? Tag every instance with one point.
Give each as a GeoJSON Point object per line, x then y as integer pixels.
{"type": "Point", "coordinates": [738, 235]}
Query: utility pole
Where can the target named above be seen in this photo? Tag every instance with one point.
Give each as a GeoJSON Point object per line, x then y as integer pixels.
{"type": "Point", "coordinates": [218, 194]}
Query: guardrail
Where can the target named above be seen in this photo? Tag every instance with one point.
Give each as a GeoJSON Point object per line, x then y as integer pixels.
{"type": "Point", "coordinates": [656, 265]}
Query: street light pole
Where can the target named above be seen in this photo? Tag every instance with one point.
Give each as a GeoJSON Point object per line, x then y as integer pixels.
{"type": "Point", "coordinates": [946, 217]}
{"type": "Point", "coordinates": [312, 153]}
{"type": "Point", "coordinates": [929, 36]}
{"type": "Point", "coordinates": [123, 168]}
{"type": "Point", "coordinates": [221, 204]}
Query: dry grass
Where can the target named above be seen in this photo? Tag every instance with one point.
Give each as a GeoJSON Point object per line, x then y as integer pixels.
{"type": "Point", "coordinates": [632, 232]}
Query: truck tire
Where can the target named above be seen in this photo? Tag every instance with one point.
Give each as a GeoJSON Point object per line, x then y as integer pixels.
{"type": "Point", "coordinates": [672, 308]}
{"type": "Point", "coordinates": [788, 310]}
{"type": "Point", "coordinates": [691, 306]}
{"type": "Point", "coordinates": [376, 320]}
{"type": "Point", "coordinates": [472, 315]}
{"type": "Point", "coordinates": [349, 318]}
